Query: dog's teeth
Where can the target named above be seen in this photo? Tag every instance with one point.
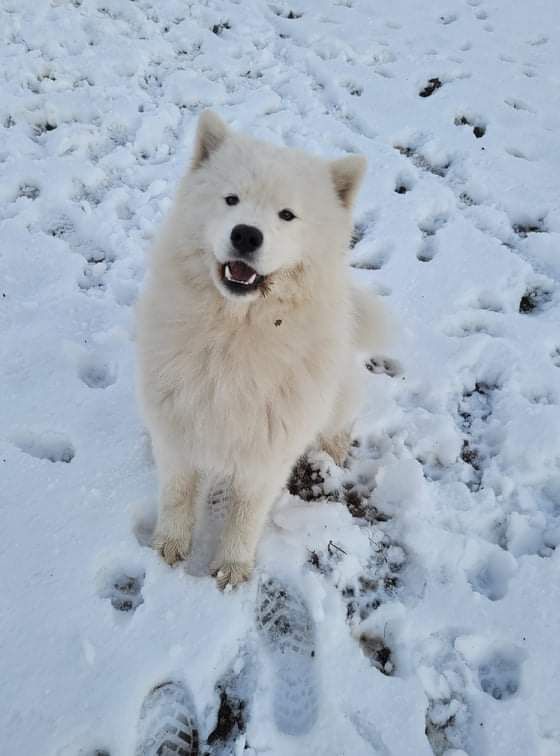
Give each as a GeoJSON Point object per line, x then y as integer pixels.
{"type": "Point", "coordinates": [230, 277]}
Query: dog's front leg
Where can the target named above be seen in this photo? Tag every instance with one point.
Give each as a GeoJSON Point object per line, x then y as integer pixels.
{"type": "Point", "coordinates": [176, 514]}
{"type": "Point", "coordinates": [250, 505]}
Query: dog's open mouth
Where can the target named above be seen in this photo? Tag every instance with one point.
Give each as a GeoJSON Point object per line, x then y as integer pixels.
{"type": "Point", "coordinates": [239, 277]}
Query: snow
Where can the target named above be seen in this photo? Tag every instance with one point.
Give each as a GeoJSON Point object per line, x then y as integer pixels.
{"type": "Point", "coordinates": [430, 590]}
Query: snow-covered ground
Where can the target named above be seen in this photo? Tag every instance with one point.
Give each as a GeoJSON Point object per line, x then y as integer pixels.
{"type": "Point", "coordinates": [405, 605]}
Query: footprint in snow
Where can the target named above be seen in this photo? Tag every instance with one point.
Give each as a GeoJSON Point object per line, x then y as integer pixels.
{"type": "Point", "coordinates": [447, 714]}
{"type": "Point", "coordinates": [526, 227]}
{"type": "Point", "coordinates": [475, 409]}
{"type": "Point", "coordinates": [534, 299]}
{"type": "Point", "coordinates": [43, 127]}
{"type": "Point", "coordinates": [430, 87]}
{"type": "Point", "coordinates": [361, 229]}
{"type": "Point", "coordinates": [358, 233]}
{"type": "Point", "coordinates": [368, 733]}
{"type": "Point", "coordinates": [373, 261]}
{"type": "Point", "coordinates": [92, 277]}
{"type": "Point", "coordinates": [466, 199]}
{"type": "Point", "coordinates": [60, 228]}
{"type": "Point", "coordinates": [234, 691]}
{"type": "Point", "coordinates": [28, 191]}
{"type": "Point", "coordinates": [414, 154]}
{"type": "Point", "coordinates": [308, 479]}
{"type": "Point", "coordinates": [98, 262]}
{"type": "Point", "coordinates": [55, 447]}
{"type": "Point", "coordinates": [490, 301]}
{"type": "Point", "coordinates": [429, 228]}
{"type": "Point", "coordinates": [448, 18]}
{"type": "Point", "coordinates": [474, 324]}
{"type": "Point", "coordinates": [491, 575]}
{"type": "Point", "coordinates": [144, 525]}
{"type": "Point", "coordinates": [354, 89]}
{"type": "Point", "coordinates": [290, 15]}
{"type": "Point", "coordinates": [96, 371]}
{"type": "Point", "coordinates": [541, 39]}
{"type": "Point", "coordinates": [213, 503]}
{"type": "Point", "coordinates": [378, 583]}
{"type": "Point", "coordinates": [167, 722]}
{"type": "Point", "coordinates": [219, 501]}
{"type": "Point", "coordinates": [517, 104]}
{"type": "Point", "coordinates": [476, 403]}
{"type": "Point", "coordinates": [499, 675]}
{"type": "Point", "coordinates": [384, 366]}
{"type": "Point", "coordinates": [427, 251]}
{"type": "Point", "coordinates": [479, 129]}
{"type": "Point", "coordinates": [287, 631]}
{"type": "Point", "coordinates": [379, 654]}
{"type": "Point", "coordinates": [124, 590]}
{"type": "Point", "coordinates": [517, 153]}
{"type": "Point", "coordinates": [404, 183]}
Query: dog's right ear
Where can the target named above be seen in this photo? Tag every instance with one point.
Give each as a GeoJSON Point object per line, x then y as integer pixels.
{"type": "Point", "coordinates": [210, 134]}
{"type": "Point", "coordinates": [347, 174]}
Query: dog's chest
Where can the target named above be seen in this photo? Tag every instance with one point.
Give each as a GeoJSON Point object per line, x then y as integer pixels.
{"type": "Point", "coordinates": [280, 360]}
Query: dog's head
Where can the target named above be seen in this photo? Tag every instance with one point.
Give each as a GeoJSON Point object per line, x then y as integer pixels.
{"type": "Point", "coordinates": [257, 212]}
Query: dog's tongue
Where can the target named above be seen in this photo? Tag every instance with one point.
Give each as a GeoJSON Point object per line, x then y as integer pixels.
{"type": "Point", "coordinates": [239, 271]}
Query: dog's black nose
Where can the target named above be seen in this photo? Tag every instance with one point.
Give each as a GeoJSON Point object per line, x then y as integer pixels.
{"type": "Point", "coordinates": [246, 239]}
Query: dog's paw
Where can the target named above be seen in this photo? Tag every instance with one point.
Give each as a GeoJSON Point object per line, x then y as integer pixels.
{"type": "Point", "coordinates": [231, 574]}
{"type": "Point", "coordinates": [172, 550]}
{"type": "Point", "coordinates": [337, 447]}
{"type": "Point", "coordinates": [339, 454]}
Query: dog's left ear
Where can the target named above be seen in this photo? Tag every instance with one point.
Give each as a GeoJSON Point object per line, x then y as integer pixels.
{"type": "Point", "coordinates": [347, 174]}
{"type": "Point", "coordinates": [210, 134]}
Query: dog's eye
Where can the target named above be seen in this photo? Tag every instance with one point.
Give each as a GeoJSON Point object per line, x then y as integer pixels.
{"type": "Point", "coordinates": [286, 215]}
{"type": "Point", "coordinates": [232, 199]}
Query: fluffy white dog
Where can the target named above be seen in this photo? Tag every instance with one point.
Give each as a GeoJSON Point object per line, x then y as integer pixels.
{"type": "Point", "coordinates": [249, 329]}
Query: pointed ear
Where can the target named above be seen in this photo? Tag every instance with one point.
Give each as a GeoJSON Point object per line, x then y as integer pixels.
{"type": "Point", "coordinates": [347, 174]}
{"type": "Point", "coordinates": [210, 134]}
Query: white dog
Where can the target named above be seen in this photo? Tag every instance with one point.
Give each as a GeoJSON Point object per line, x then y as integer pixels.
{"type": "Point", "coordinates": [248, 332]}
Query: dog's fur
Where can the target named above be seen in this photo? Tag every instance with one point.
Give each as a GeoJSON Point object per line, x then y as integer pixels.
{"type": "Point", "coordinates": [241, 386]}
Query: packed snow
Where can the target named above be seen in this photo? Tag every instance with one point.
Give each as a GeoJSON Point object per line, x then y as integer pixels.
{"type": "Point", "coordinates": [407, 604]}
